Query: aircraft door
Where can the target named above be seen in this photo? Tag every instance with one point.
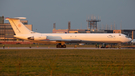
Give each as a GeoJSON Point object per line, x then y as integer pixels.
{"type": "Point", "coordinates": [114, 37]}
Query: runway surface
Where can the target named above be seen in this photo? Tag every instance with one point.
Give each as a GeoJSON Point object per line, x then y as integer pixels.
{"type": "Point", "coordinates": [58, 48]}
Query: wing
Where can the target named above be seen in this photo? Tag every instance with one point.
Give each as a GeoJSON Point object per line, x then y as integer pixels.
{"type": "Point", "coordinates": [59, 39]}
{"type": "Point", "coordinates": [67, 40]}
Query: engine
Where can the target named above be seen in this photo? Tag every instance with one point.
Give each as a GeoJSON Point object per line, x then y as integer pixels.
{"type": "Point", "coordinates": [40, 37]}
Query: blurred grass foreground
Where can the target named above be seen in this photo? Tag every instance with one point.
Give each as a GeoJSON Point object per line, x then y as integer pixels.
{"type": "Point", "coordinates": [61, 62]}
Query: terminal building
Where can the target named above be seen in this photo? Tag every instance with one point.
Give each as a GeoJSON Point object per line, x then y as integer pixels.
{"type": "Point", "coordinates": [7, 33]}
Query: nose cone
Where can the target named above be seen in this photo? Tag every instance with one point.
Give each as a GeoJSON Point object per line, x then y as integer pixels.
{"type": "Point", "coordinates": [125, 40]}
{"type": "Point", "coordinates": [129, 39]}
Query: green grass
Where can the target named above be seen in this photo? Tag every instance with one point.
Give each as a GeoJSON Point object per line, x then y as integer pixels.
{"type": "Point", "coordinates": [67, 62]}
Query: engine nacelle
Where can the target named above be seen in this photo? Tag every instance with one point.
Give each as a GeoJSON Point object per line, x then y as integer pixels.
{"type": "Point", "coordinates": [40, 37]}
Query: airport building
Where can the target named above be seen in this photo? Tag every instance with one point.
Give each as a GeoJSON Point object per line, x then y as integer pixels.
{"type": "Point", "coordinates": [92, 28]}
{"type": "Point", "coordinates": [69, 30]}
{"type": "Point", "coordinates": [7, 33]}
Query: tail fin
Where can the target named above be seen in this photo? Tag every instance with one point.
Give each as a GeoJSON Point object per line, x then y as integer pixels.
{"type": "Point", "coordinates": [17, 26]}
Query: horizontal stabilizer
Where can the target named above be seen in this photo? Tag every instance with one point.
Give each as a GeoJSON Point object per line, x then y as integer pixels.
{"type": "Point", "coordinates": [16, 18]}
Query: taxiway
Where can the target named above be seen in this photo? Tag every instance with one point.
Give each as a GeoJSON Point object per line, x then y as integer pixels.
{"type": "Point", "coordinates": [58, 48]}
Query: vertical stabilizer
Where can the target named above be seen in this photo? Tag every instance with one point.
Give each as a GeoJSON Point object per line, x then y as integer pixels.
{"type": "Point", "coordinates": [18, 26]}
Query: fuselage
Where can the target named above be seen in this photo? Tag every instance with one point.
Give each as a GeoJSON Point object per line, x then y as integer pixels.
{"type": "Point", "coordinates": [83, 37]}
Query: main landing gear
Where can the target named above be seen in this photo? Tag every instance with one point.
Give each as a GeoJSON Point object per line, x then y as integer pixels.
{"type": "Point", "coordinates": [59, 45]}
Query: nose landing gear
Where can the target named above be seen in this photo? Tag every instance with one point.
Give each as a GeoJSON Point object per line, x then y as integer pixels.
{"type": "Point", "coordinates": [119, 45]}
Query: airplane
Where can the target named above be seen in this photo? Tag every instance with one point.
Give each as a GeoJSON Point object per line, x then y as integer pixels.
{"type": "Point", "coordinates": [60, 39]}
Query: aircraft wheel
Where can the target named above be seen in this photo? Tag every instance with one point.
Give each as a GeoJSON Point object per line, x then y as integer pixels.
{"type": "Point", "coordinates": [64, 46]}
{"type": "Point", "coordinates": [58, 46]}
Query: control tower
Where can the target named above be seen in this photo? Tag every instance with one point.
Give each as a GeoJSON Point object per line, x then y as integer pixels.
{"type": "Point", "coordinates": [92, 24]}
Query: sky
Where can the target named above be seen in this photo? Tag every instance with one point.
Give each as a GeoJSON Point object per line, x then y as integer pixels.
{"type": "Point", "coordinates": [43, 13]}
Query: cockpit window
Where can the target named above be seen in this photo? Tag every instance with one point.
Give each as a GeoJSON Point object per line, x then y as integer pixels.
{"type": "Point", "coordinates": [127, 36]}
